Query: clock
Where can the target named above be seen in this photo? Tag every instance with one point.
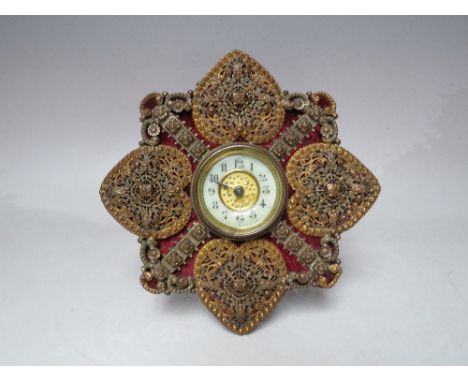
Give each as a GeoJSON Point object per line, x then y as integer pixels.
{"type": "Point", "coordinates": [239, 191]}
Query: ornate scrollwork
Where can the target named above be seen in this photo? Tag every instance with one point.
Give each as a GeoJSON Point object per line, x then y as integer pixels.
{"type": "Point", "coordinates": [329, 130]}
{"type": "Point", "coordinates": [158, 112]}
{"type": "Point", "coordinates": [237, 101]}
{"type": "Point", "coordinates": [321, 104]}
{"type": "Point", "coordinates": [158, 273]}
{"type": "Point", "coordinates": [144, 191]}
{"type": "Point", "coordinates": [316, 104]}
{"type": "Point", "coordinates": [238, 98]}
{"type": "Point", "coordinates": [317, 113]}
{"type": "Point", "coordinates": [333, 189]}
{"type": "Point", "coordinates": [296, 101]}
{"type": "Point", "coordinates": [240, 285]}
{"type": "Point", "coordinates": [172, 102]}
{"type": "Point", "coordinates": [323, 264]}
{"type": "Point", "coordinates": [291, 137]}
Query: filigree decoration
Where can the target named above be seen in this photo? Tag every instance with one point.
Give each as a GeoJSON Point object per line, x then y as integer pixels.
{"type": "Point", "coordinates": [158, 270]}
{"type": "Point", "coordinates": [158, 112]}
{"type": "Point", "coordinates": [240, 285]}
{"type": "Point", "coordinates": [238, 98]}
{"type": "Point", "coordinates": [323, 263]}
{"type": "Point", "coordinates": [333, 189]}
{"type": "Point", "coordinates": [316, 104]}
{"type": "Point", "coordinates": [329, 130]}
{"type": "Point", "coordinates": [322, 104]}
{"type": "Point", "coordinates": [237, 101]}
{"type": "Point", "coordinates": [145, 191]}
{"type": "Point", "coordinates": [174, 102]}
{"type": "Point", "coordinates": [292, 136]}
{"type": "Point", "coordinates": [317, 113]}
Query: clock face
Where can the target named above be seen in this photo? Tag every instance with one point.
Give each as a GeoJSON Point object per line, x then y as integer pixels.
{"type": "Point", "coordinates": [239, 191]}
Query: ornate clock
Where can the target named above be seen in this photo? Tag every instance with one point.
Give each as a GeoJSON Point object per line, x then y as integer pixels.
{"type": "Point", "coordinates": [238, 191]}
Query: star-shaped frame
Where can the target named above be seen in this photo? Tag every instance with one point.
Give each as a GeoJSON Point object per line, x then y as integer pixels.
{"type": "Point", "coordinates": [148, 191]}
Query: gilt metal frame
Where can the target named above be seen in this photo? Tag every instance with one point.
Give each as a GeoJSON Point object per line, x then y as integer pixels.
{"type": "Point", "coordinates": [329, 190]}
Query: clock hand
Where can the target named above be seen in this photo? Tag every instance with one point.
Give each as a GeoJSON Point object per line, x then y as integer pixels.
{"type": "Point", "coordinates": [224, 185]}
{"type": "Point", "coordinates": [238, 190]}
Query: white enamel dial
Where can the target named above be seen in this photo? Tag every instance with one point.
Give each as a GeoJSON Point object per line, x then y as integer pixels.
{"type": "Point", "coordinates": [239, 191]}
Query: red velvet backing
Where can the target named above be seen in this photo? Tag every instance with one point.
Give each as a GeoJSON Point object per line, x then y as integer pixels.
{"type": "Point", "coordinates": [291, 261]}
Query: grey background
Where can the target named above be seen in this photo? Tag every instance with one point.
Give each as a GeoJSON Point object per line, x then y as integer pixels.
{"type": "Point", "coordinates": [69, 94]}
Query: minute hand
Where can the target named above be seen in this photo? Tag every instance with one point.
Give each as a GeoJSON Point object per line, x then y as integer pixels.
{"type": "Point", "coordinates": [224, 185]}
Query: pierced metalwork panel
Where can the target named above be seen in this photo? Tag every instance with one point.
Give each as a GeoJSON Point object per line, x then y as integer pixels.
{"type": "Point", "coordinates": [144, 191]}
{"type": "Point", "coordinates": [323, 264]}
{"type": "Point", "coordinates": [291, 137]}
{"type": "Point", "coordinates": [333, 189]}
{"type": "Point", "coordinates": [236, 102]}
{"type": "Point", "coordinates": [240, 285]}
{"type": "Point", "coordinates": [238, 98]}
{"type": "Point", "coordinates": [158, 270]}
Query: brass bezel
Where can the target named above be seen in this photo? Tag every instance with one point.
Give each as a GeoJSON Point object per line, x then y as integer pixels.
{"type": "Point", "coordinates": [222, 230]}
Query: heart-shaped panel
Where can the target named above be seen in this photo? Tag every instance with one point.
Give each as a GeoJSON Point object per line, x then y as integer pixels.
{"type": "Point", "coordinates": [240, 285]}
